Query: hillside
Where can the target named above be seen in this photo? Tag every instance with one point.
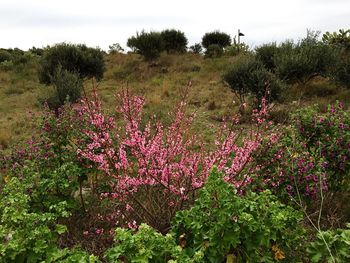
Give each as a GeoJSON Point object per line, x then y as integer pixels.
{"type": "Point", "coordinates": [162, 83]}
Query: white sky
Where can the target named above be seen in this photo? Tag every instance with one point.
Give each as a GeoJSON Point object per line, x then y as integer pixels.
{"type": "Point", "coordinates": [27, 23]}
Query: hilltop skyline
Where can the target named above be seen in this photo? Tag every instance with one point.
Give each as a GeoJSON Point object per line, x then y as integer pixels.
{"type": "Point", "coordinates": [39, 23]}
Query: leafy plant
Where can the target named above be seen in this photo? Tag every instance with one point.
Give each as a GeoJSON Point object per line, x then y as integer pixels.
{"type": "Point", "coordinates": [266, 54]}
{"type": "Point", "coordinates": [304, 60]}
{"type": "Point", "coordinates": [251, 228]}
{"type": "Point", "coordinates": [214, 51]}
{"type": "Point", "coordinates": [196, 48]}
{"type": "Point", "coordinates": [68, 87]}
{"type": "Point", "coordinates": [27, 235]}
{"type": "Point", "coordinates": [248, 75]}
{"type": "Point", "coordinates": [338, 241]}
{"type": "Point", "coordinates": [77, 59]}
{"type": "Point", "coordinates": [216, 38]}
{"type": "Point", "coordinates": [146, 245]}
{"type": "Point", "coordinates": [174, 40]}
{"type": "Point", "coordinates": [149, 45]}
{"type": "Point", "coordinates": [340, 38]}
{"type": "Point", "coordinates": [156, 170]}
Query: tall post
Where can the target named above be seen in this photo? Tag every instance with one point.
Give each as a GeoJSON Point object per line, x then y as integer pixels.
{"type": "Point", "coordinates": [238, 39]}
{"type": "Point", "coordinates": [239, 35]}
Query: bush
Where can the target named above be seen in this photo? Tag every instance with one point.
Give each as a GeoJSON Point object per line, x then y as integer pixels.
{"type": "Point", "coordinates": [216, 38]}
{"type": "Point", "coordinates": [220, 226]}
{"type": "Point", "coordinates": [341, 72]}
{"type": "Point", "coordinates": [250, 228]}
{"type": "Point", "coordinates": [196, 48]}
{"type": "Point", "coordinates": [27, 235]}
{"type": "Point", "coordinates": [157, 169]}
{"type": "Point", "coordinates": [174, 40]}
{"type": "Point", "coordinates": [78, 59]}
{"type": "Point", "coordinates": [305, 60]}
{"type": "Point", "coordinates": [68, 87]}
{"type": "Point", "coordinates": [146, 245]}
{"type": "Point", "coordinates": [312, 155]}
{"type": "Point", "coordinates": [338, 244]}
{"type": "Point", "coordinates": [214, 51]}
{"type": "Point", "coordinates": [236, 49]}
{"type": "Point", "coordinates": [248, 75]}
{"type": "Point", "coordinates": [149, 45]}
{"type": "Point", "coordinates": [36, 51]}
{"type": "Point", "coordinates": [115, 48]}
{"type": "Point", "coordinates": [4, 55]}
{"type": "Point", "coordinates": [266, 54]}
{"type": "Point", "coordinates": [341, 39]}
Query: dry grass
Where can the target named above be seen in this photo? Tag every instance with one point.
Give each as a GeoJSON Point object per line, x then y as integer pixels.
{"type": "Point", "coordinates": [162, 84]}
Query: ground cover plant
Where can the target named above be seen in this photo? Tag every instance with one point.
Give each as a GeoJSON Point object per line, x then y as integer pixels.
{"type": "Point", "coordinates": [160, 162]}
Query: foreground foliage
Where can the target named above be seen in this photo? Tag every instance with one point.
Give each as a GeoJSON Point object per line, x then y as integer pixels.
{"type": "Point", "coordinates": [220, 225]}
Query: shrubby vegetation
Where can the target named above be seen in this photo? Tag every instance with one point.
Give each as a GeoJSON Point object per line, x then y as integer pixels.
{"type": "Point", "coordinates": [78, 59]}
{"type": "Point", "coordinates": [65, 66]}
{"type": "Point", "coordinates": [174, 41]}
{"type": "Point", "coordinates": [248, 75]}
{"type": "Point", "coordinates": [149, 45]}
{"type": "Point", "coordinates": [95, 184]}
{"type": "Point", "coordinates": [216, 38]}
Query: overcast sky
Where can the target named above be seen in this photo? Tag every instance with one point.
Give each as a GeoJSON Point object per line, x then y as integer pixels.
{"type": "Point", "coordinates": [27, 23]}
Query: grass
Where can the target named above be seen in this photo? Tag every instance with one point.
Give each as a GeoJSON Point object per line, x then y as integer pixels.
{"type": "Point", "coordinates": [162, 84]}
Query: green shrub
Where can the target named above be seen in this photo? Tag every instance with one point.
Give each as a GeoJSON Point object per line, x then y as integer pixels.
{"type": "Point", "coordinates": [341, 39]}
{"type": "Point", "coordinates": [27, 235]}
{"type": "Point", "coordinates": [4, 55]}
{"type": "Point", "coordinates": [338, 242]}
{"type": "Point", "coordinates": [214, 51]}
{"type": "Point", "coordinates": [266, 54]}
{"type": "Point", "coordinates": [236, 49]}
{"type": "Point", "coordinates": [248, 75]}
{"type": "Point", "coordinates": [196, 48]}
{"type": "Point", "coordinates": [251, 228]}
{"type": "Point", "coordinates": [78, 59]}
{"type": "Point", "coordinates": [341, 72]}
{"type": "Point", "coordinates": [216, 38]}
{"type": "Point", "coordinates": [149, 45]}
{"type": "Point", "coordinates": [146, 245]}
{"type": "Point", "coordinates": [115, 48]}
{"type": "Point", "coordinates": [221, 226]}
{"type": "Point", "coordinates": [174, 41]}
{"type": "Point", "coordinates": [36, 51]}
{"type": "Point", "coordinates": [68, 87]}
{"type": "Point", "coordinates": [302, 61]}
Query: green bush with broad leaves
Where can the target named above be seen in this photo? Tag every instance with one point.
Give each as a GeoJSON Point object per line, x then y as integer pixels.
{"type": "Point", "coordinates": [331, 246]}
{"type": "Point", "coordinates": [251, 228]}
{"type": "Point", "coordinates": [221, 225]}
{"type": "Point", "coordinates": [27, 234]}
{"type": "Point", "coordinates": [147, 245]}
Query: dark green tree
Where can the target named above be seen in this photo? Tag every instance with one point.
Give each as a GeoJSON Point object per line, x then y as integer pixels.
{"type": "Point", "coordinates": [84, 61]}
{"type": "Point", "coordinates": [149, 45]}
{"type": "Point", "coordinates": [174, 41]}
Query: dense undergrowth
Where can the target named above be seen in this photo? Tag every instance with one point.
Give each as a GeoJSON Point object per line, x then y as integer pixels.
{"type": "Point", "coordinates": [158, 163]}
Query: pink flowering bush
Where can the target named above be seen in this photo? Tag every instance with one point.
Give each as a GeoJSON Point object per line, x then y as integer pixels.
{"type": "Point", "coordinates": [155, 170]}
